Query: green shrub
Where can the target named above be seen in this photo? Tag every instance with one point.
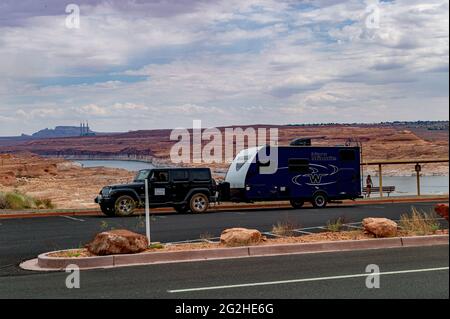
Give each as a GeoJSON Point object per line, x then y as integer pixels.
{"type": "Point", "coordinates": [335, 225]}
{"type": "Point", "coordinates": [17, 200]}
{"type": "Point", "coordinates": [3, 203]}
{"type": "Point", "coordinates": [44, 203]}
{"type": "Point", "coordinates": [156, 245]}
{"type": "Point", "coordinates": [285, 228]}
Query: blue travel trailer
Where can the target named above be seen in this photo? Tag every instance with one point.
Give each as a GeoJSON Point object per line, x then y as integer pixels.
{"type": "Point", "coordinates": [317, 174]}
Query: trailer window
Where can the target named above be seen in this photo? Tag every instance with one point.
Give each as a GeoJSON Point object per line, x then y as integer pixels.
{"type": "Point", "coordinates": [347, 155]}
{"type": "Point", "coordinates": [241, 160]}
{"type": "Point", "coordinates": [298, 165]}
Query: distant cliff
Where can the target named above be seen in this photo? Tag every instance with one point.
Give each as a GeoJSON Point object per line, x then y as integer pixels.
{"type": "Point", "coordinates": [60, 131]}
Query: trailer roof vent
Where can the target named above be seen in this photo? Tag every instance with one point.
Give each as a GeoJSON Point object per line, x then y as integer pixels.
{"type": "Point", "coordinates": [301, 142]}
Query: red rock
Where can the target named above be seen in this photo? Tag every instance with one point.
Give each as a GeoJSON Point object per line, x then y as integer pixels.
{"type": "Point", "coordinates": [240, 237]}
{"type": "Point", "coordinates": [118, 241]}
{"type": "Point", "coordinates": [7, 178]}
{"type": "Point", "coordinates": [380, 227]}
{"type": "Point", "coordinates": [442, 210]}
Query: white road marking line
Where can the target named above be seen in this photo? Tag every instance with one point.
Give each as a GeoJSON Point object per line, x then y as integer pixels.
{"type": "Point", "coordinates": [307, 280]}
{"type": "Point", "coordinates": [73, 218]}
{"type": "Point", "coordinates": [272, 234]}
{"type": "Point", "coordinates": [302, 232]}
{"type": "Point", "coordinates": [351, 226]}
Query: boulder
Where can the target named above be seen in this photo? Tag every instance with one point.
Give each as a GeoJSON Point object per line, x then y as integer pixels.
{"type": "Point", "coordinates": [7, 178]}
{"type": "Point", "coordinates": [240, 237]}
{"type": "Point", "coordinates": [118, 241]}
{"type": "Point", "coordinates": [380, 227]}
{"type": "Point", "coordinates": [442, 210]}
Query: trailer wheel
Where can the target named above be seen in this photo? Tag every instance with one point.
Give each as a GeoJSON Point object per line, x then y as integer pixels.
{"type": "Point", "coordinates": [297, 203]}
{"type": "Point", "coordinates": [199, 203]}
{"type": "Point", "coordinates": [319, 200]}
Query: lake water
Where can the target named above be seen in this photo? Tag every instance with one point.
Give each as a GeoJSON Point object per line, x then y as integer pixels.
{"type": "Point", "coordinates": [404, 185]}
{"type": "Point", "coordinates": [133, 166]}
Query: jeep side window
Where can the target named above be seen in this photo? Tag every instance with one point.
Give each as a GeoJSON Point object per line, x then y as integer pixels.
{"type": "Point", "coordinates": [200, 175]}
{"type": "Point", "coordinates": [179, 175]}
{"type": "Point", "coordinates": [160, 176]}
{"type": "Point", "coordinates": [141, 175]}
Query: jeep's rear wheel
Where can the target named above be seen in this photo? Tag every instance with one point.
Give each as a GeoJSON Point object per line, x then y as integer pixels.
{"type": "Point", "coordinates": [124, 206]}
{"type": "Point", "coordinates": [199, 203]}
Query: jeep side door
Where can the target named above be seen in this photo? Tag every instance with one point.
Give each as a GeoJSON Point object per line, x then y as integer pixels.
{"type": "Point", "coordinates": [180, 184]}
{"type": "Point", "coordinates": [159, 188]}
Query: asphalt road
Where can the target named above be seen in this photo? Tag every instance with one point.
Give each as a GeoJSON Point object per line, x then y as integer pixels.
{"type": "Point", "coordinates": [22, 239]}
{"type": "Point", "coordinates": [412, 273]}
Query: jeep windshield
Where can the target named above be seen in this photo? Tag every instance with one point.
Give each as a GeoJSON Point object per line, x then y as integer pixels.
{"type": "Point", "coordinates": [142, 175]}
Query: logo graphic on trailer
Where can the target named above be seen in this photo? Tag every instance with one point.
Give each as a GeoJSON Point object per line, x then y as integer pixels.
{"type": "Point", "coordinates": [317, 174]}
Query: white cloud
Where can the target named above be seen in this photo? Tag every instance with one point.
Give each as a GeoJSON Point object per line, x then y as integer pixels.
{"type": "Point", "coordinates": [91, 109]}
{"type": "Point", "coordinates": [227, 62]}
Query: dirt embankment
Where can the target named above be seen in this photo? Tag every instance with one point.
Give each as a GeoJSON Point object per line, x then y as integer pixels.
{"type": "Point", "coordinates": [65, 183]}
{"type": "Point", "coordinates": [379, 142]}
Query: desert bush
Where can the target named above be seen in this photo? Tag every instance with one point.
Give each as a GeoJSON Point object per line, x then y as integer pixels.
{"type": "Point", "coordinates": [419, 223]}
{"type": "Point", "coordinates": [206, 236]}
{"type": "Point", "coordinates": [156, 246]}
{"type": "Point", "coordinates": [3, 203]}
{"type": "Point", "coordinates": [284, 228]}
{"type": "Point", "coordinates": [44, 203]}
{"type": "Point", "coordinates": [17, 200]}
{"type": "Point", "coordinates": [335, 225]}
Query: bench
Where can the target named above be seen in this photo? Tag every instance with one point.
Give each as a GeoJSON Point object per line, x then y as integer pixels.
{"type": "Point", "coordinates": [376, 189]}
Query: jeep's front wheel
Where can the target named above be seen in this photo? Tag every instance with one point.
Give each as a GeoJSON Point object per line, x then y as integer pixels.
{"type": "Point", "coordinates": [199, 203]}
{"type": "Point", "coordinates": [124, 206]}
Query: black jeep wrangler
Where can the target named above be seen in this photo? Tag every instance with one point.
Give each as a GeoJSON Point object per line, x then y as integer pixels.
{"type": "Point", "coordinates": [184, 189]}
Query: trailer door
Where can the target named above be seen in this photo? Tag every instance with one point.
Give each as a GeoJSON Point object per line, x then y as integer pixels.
{"type": "Point", "coordinates": [348, 183]}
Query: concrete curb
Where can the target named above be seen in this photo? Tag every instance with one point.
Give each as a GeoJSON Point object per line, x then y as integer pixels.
{"type": "Point", "coordinates": [46, 263]}
{"type": "Point", "coordinates": [275, 205]}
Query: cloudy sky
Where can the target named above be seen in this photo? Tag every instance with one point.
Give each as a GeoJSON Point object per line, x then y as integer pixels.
{"type": "Point", "coordinates": [136, 64]}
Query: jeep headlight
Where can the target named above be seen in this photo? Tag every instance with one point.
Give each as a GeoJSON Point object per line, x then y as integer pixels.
{"type": "Point", "coordinates": [106, 191]}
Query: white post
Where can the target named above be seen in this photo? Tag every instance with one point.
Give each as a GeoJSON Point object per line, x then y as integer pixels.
{"type": "Point", "coordinates": [147, 212]}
